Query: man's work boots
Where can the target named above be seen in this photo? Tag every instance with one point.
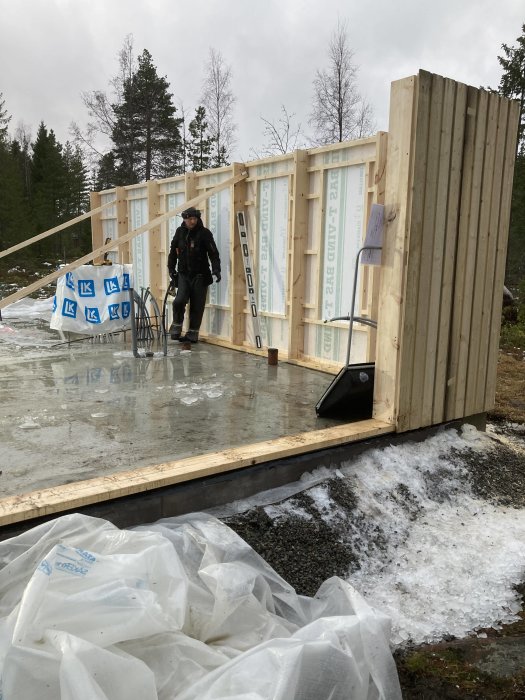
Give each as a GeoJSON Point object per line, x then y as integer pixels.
{"type": "Point", "coordinates": [190, 337]}
{"type": "Point", "coordinates": [175, 331]}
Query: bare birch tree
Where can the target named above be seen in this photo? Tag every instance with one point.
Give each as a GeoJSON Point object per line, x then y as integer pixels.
{"type": "Point", "coordinates": [100, 105]}
{"type": "Point", "coordinates": [339, 112]}
{"type": "Point", "coordinates": [218, 100]}
{"type": "Point", "coordinates": [281, 137]}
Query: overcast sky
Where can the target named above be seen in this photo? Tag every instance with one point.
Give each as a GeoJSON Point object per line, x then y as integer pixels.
{"type": "Point", "coordinates": [52, 50]}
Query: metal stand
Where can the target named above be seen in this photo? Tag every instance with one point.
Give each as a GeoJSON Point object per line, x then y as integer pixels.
{"type": "Point", "coordinates": [350, 394]}
{"type": "Point", "coordinates": [143, 325]}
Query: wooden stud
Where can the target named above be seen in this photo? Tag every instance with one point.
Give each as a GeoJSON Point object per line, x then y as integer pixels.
{"type": "Point", "coordinates": [395, 248]}
{"type": "Point", "coordinates": [482, 191]}
{"type": "Point", "coordinates": [123, 224]}
{"type": "Point", "coordinates": [238, 279]}
{"type": "Point", "coordinates": [156, 269]}
{"type": "Point", "coordinates": [411, 333]}
{"type": "Point", "coordinates": [494, 156]}
{"type": "Point", "coordinates": [379, 198]}
{"type": "Point", "coordinates": [97, 234]}
{"type": "Point", "coordinates": [299, 238]}
{"type": "Point", "coordinates": [441, 121]}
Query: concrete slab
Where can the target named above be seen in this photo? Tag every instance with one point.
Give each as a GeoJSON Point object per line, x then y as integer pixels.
{"type": "Point", "coordinates": [84, 410]}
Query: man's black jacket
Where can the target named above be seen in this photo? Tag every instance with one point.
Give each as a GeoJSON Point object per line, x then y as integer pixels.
{"type": "Point", "coordinates": [190, 251]}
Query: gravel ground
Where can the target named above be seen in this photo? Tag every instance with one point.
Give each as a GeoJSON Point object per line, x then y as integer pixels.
{"type": "Point", "coordinates": [308, 551]}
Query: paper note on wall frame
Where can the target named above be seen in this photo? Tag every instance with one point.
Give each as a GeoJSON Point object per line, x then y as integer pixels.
{"type": "Point", "coordinates": [374, 235]}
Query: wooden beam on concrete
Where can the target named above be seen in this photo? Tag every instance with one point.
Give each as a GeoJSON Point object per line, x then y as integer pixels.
{"type": "Point", "coordinates": [76, 495]}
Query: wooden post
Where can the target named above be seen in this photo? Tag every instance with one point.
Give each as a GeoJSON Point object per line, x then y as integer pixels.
{"type": "Point", "coordinates": [298, 237]}
{"type": "Point", "coordinates": [395, 248]}
{"type": "Point", "coordinates": [237, 281]}
{"type": "Point", "coordinates": [155, 271]}
{"type": "Point", "coordinates": [190, 185]}
{"type": "Point", "coordinates": [123, 223]}
{"type": "Point", "coordinates": [373, 272]}
{"type": "Point", "coordinates": [95, 199]}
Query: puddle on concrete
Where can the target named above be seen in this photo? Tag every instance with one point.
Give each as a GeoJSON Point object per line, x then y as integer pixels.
{"type": "Point", "coordinates": [75, 411]}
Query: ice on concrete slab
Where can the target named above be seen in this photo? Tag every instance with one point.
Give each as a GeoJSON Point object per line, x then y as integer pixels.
{"type": "Point", "coordinates": [189, 400]}
{"type": "Point", "coordinates": [29, 425]}
{"type": "Point", "coordinates": [213, 393]}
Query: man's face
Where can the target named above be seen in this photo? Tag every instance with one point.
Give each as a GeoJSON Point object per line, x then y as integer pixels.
{"type": "Point", "coordinates": [191, 222]}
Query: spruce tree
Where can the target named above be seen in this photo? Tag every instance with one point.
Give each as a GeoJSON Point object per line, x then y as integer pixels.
{"type": "Point", "coordinates": [75, 200]}
{"type": "Point", "coordinates": [146, 136]}
{"type": "Point", "coordinates": [4, 121]}
{"type": "Point", "coordinates": [14, 218]}
{"type": "Point", "coordinates": [200, 144]}
{"type": "Point", "coordinates": [48, 188]}
{"type": "Point", "coordinates": [106, 175]}
{"type": "Point", "coordinates": [512, 85]}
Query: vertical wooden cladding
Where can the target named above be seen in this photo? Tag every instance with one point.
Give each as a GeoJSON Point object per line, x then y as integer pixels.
{"type": "Point", "coordinates": [432, 246]}
{"type": "Point", "coordinates": [489, 151]}
{"type": "Point", "coordinates": [459, 159]}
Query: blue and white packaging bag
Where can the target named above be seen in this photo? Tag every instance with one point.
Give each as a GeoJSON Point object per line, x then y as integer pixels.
{"type": "Point", "coordinates": [93, 299]}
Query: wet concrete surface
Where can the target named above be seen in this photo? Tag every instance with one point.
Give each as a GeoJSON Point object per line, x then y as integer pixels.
{"type": "Point", "coordinates": [78, 411]}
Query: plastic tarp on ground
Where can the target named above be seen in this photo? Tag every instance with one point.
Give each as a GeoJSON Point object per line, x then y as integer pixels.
{"type": "Point", "coordinates": [183, 609]}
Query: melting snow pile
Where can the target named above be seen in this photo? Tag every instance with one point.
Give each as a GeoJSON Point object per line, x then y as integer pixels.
{"type": "Point", "coordinates": [429, 553]}
{"type": "Point", "coordinates": [183, 609]}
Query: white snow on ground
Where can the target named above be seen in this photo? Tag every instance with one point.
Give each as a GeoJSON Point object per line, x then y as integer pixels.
{"type": "Point", "coordinates": [29, 309]}
{"type": "Point", "coordinates": [453, 568]}
{"type": "Point", "coordinates": [447, 566]}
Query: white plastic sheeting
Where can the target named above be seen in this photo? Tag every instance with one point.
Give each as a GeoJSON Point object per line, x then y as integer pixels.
{"type": "Point", "coordinates": [183, 609]}
{"type": "Point", "coordinates": [93, 299]}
